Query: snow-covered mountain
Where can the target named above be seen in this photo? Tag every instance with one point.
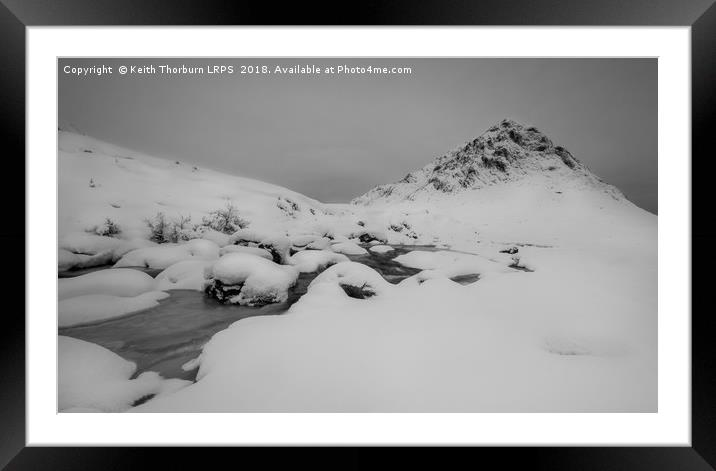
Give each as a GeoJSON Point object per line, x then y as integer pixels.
{"type": "Point", "coordinates": [508, 152]}
{"type": "Point", "coordinates": [512, 183]}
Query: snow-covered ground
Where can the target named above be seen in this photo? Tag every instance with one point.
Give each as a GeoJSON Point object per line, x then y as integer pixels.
{"type": "Point", "coordinates": [562, 317]}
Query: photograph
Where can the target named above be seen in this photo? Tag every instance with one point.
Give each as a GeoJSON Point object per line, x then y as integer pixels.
{"type": "Point", "coordinates": [357, 234]}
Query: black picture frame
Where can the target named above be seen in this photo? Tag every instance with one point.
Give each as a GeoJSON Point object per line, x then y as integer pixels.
{"type": "Point", "coordinates": [700, 15]}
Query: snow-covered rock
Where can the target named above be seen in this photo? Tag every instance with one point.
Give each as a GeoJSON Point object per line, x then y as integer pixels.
{"type": "Point", "coordinates": [308, 261]}
{"type": "Point", "coordinates": [348, 248]}
{"type": "Point", "coordinates": [244, 249]}
{"type": "Point", "coordinates": [92, 244]}
{"type": "Point", "coordinates": [366, 235]}
{"type": "Point", "coordinates": [278, 245]}
{"type": "Point", "coordinates": [381, 249]}
{"type": "Point", "coordinates": [113, 282]}
{"type": "Point", "coordinates": [249, 280]}
{"type": "Point", "coordinates": [83, 250]}
{"type": "Point", "coordinates": [320, 244]}
{"type": "Point", "coordinates": [187, 274]}
{"type": "Point", "coordinates": [90, 377]}
{"type": "Point", "coordinates": [356, 280]}
{"type": "Point", "coordinates": [301, 242]}
{"type": "Point", "coordinates": [164, 255]}
{"type": "Point", "coordinates": [450, 264]}
{"type": "Point", "coordinates": [97, 307]}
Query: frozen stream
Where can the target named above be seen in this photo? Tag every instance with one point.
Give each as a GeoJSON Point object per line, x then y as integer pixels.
{"type": "Point", "coordinates": [165, 337]}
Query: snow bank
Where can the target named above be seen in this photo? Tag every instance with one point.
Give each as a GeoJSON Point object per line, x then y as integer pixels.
{"type": "Point", "coordinates": [88, 261]}
{"type": "Point", "coordinates": [356, 280]}
{"type": "Point", "coordinates": [244, 249]}
{"type": "Point", "coordinates": [249, 280]}
{"type": "Point", "coordinates": [450, 264]}
{"type": "Point", "coordinates": [162, 256]}
{"type": "Point", "coordinates": [94, 250]}
{"type": "Point", "coordinates": [309, 261]}
{"type": "Point", "coordinates": [88, 244]}
{"type": "Point", "coordinates": [300, 242]}
{"type": "Point", "coordinates": [219, 238]}
{"type": "Point", "coordinates": [66, 260]}
{"type": "Point", "coordinates": [188, 274]}
{"type": "Point", "coordinates": [381, 248]}
{"type": "Point", "coordinates": [348, 248]}
{"type": "Point", "coordinates": [92, 378]}
{"type": "Point", "coordinates": [96, 307]}
{"type": "Point", "coordinates": [320, 244]}
{"type": "Point", "coordinates": [114, 282]}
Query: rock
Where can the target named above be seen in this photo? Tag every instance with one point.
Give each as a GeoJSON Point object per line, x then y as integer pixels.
{"type": "Point", "coordinates": [249, 280]}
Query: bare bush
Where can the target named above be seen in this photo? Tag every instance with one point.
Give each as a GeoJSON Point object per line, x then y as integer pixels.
{"type": "Point", "coordinates": [108, 228]}
{"type": "Point", "coordinates": [226, 220]}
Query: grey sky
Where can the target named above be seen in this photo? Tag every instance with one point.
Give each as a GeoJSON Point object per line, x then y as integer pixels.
{"type": "Point", "coordinates": [334, 137]}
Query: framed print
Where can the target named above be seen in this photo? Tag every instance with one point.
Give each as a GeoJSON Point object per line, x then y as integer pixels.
{"type": "Point", "coordinates": [430, 226]}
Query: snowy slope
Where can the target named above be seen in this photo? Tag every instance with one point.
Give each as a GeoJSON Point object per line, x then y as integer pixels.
{"type": "Point", "coordinates": [99, 180]}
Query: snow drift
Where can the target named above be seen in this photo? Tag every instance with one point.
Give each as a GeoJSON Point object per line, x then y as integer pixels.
{"type": "Point", "coordinates": [92, 378]}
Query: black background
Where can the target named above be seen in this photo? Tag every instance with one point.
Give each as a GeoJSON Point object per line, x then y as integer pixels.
{"type": "Point", "coordinates": [15, 15]}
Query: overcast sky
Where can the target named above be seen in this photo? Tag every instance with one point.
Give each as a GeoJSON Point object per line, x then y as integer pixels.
{"type": "Point", "coordinates": [334, 137]}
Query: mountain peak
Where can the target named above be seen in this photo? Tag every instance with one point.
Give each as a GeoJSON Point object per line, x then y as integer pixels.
{"type": "Point", "coordinates": [506, 152]}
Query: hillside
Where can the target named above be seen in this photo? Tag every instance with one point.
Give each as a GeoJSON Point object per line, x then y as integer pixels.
{"type": "Point", "coordinates": [98, 181]}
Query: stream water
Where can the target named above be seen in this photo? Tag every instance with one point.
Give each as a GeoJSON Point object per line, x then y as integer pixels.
{"type": "Point", "coordinates": [165, 337]}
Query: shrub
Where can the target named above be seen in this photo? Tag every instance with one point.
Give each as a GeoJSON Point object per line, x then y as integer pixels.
{"type": "Point", "coordinates": [163, 230]}
{"type": "Point", "coordinates": [181, 229]}
{"type": "Point", "coordinates": [226, 220]}
{"type": "Point", "coordinates": [108, 228]}
{"type": "Point", "coordinates": [157, 226]}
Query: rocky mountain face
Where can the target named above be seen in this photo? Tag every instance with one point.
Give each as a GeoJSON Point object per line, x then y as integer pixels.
{"type": "Point", "coordinates": [506, 152]}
